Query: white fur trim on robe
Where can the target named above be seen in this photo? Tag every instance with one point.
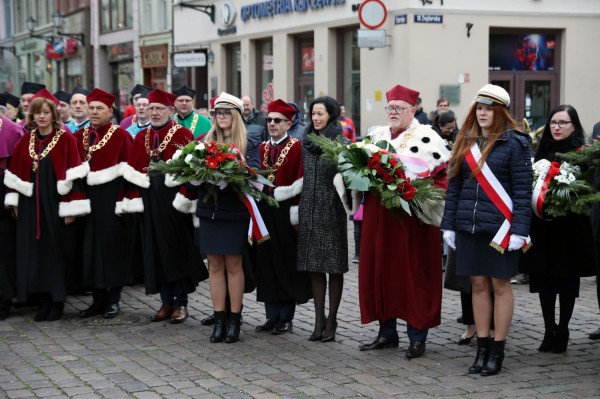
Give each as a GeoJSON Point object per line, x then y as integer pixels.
{"type": "Point", "coordinates": [196, 221]}
{"type": "Point", "coordinates": [78, 172]}
{"type": "Point", "coordinates": [133, 176]}
{"type": "Point", "coordinates": [338, 183]}
{"type": "Point", "coordinates": [184, 204]}
{"type": "Point", "coordinates": [294, 215]}
{"type": "Point", "coordinates": [283, 193]}
{"type": "Point", "coordinates": [13, 181]}
{"type": "Point", "coordinates": [11, 199]}
{"type": "Point", "coordinates": [105, 175]}
{"type": "Point", "coordinates": [74, 208]}
{"type": "Point", "coordinates": [170, 181]}
{"type": "Point", "coordinates": [127, 205]}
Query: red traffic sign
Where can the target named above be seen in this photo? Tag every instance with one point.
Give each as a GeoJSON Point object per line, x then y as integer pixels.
{"type": "Point", "coordinates": [372, 14]}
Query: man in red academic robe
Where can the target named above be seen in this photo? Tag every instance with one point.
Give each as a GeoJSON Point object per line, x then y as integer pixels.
{"type": "Point", "coordinates": [172, 262]}
{"type": "Point", "coordinates": [107, 238]}
{"type": "Point", "coordinates": [399, 268]}
{"type": "Point", "coordinates": [279, 285]}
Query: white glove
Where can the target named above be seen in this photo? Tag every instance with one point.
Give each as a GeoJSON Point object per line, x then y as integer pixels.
{"type": "Point", "coordinates": [450, 238]}
{"type": "Point", "coordinates": [516, 242]}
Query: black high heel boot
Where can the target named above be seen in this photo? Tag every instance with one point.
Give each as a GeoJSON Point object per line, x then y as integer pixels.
{"type": "Point", "coordinates": [548, 341]}
{"type": "Point", "coordinates": [483, 350]}
{"type": "Point", "coordinates": [561, 340]}
{"type": "Point", "coordinates": [220, 327]}
{"type": "Point", "coordinates": [233, 329]}
{"type": "Point", "coordinates": [494, 363]}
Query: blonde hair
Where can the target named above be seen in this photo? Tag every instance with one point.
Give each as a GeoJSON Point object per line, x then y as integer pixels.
{"type": "Point", "coordinates": [35, 107]}
{"type": "Point", "coordinates": [238, 136]}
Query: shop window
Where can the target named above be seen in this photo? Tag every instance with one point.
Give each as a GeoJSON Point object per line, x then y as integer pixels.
{"type": "Point", "coordinates": [305, 72]}
{"type": "Point", "coordinates": [116, 15]}
{"type": "Point", "coordinates": [234, 69]}
{"type": "Point", "coordinates": [264, 67]}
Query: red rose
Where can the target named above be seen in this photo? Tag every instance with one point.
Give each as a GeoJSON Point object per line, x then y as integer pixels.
{"type": "Point", "coordinates": [212, 163]}
{"type": "Point", "coordinates": [229, 156]}
{"type": "Point", "coordinates": [400, 173]}
{"type": "Point", "coordinates": [409, 192]}
{"type": "Point", "coordinates": [386, 177]}
{"type": "Point", "coordinates": [373, 163]}
{"type": "Point", "coordinates": [393, 162]}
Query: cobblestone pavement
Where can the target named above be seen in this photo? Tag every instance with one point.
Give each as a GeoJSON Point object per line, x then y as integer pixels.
{"type": "Point", "coordinates": [128, 357]}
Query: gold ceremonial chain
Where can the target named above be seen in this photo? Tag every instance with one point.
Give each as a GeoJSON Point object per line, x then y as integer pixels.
{"type": "Point", "coordinates": [37, 158]}
{"type": "Point", "coordinates": [100, 144]}
{"type": "Point", "coordinates": [280, 159]}
{"type": "Point", "coordinates": [164, 143]}
{"type": "Point", "coordinates": [194, 121]}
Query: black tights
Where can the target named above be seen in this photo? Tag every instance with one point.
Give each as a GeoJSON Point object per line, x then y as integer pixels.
{"type": "Point", "coordinates": [566, 304]}
{"type": "Point", "coordinates": [319, 288]}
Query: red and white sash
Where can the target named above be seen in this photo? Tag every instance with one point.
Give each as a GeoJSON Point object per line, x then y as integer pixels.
{"type": "Point", "coordinates": [499, 197]}
{"type": "Point", "coordinates": [541, 188]}
{"type": "Point", "coordinates": [257, 228]}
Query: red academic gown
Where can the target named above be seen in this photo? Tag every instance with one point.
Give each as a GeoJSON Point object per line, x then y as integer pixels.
{"type": "Point", "coordinates": [45, 245]}
{"type": "Point", "coordinates": [399, 274]}
{"type": "Point", "coordinates": [170, 253]}
{"type": "Point", "coordinates": [275, 269]}
{"type": "Point", "coordinates": [108, 239]}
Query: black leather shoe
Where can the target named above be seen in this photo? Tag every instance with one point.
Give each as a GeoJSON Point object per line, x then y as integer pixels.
{"type": "Point", "coordinates": [111, 311]}
{"type": "Point", "coordinates": [209, 321]}
{"type": "Point", "coordinates": [380, 343]}
{"type": "Point", "coordinates": [595, 334]}
{"type": "Point", "coordinates": [93, 310]}
{"type": "Point", "coordinates": [43, 311]}
{"type": "Point", "coordinates": [415, 349]}
{"type": "Point", "coordinates": [56, 311]}
{"type": "Point", "coordinates": [283, 327]}
{"type": "Point", "coordinates": [465, 340]}
{"type": "Point", "coordinates": [268, 326]}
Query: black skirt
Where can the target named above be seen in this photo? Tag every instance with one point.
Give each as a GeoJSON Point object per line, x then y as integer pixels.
{"type": "Point", "coordinates": [223, 237]}
{"type": "Point", "coordinates": [475, 257]}
{"type": "Point", "coordinates": [567, 286]}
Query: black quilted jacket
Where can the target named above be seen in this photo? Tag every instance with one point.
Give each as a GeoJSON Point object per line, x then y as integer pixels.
{"type": "Point", "coordinates": [468, 208]}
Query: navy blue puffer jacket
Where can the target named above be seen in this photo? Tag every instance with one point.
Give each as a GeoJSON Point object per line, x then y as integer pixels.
{"type": "Point", "coordinates": [469, 209]}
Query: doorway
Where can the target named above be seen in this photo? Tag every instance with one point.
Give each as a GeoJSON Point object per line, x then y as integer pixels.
{"type": "Point", "coordinates": [533, 96]}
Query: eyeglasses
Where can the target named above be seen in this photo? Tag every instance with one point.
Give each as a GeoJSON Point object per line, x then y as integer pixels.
{"type": "Point", "coordinates": [181, 100]}
{"type": "Point", "coordinates": [276, 120]}
{"type": "Point", "coordinates": [224, 114]}
{"type": "Point", "coordinates": [396, 110]}
{"type": "Point", "coordinates": [157, 109]}
{"type": "Point", "coordinates": [560, 124]}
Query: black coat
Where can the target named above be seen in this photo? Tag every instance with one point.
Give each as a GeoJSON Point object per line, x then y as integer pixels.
{"type": "Point", "coordinates": [563, 247]}
{"type": "Point", "coordinates": [470, 210]}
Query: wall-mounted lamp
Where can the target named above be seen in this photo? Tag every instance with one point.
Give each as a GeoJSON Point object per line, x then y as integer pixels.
{"type": "Point", "coordinates": [57, 19]}
{"type": "Point", "coordinates": [11, 49]}
{"type": "Point", "coordinates": [31, 26]}
{"type": "Point", "coordinates": [210, 56]}
{"type": "Point", "coordinates": [469, 26]}
{"type": "Point", "coordinates": [208, 9]}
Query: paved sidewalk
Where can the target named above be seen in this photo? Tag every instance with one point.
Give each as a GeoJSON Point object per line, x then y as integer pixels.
{"type": "Point", "coordinates": [128, 357]}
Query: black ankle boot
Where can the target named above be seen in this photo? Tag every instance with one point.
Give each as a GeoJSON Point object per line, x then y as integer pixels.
{"type": "Point", "coordinates": [233, 329]}
{"type": "Point", "coordinates": [220, 328]}
{"type": "Point", "coordinates": [5, 310]}
{"type": "Point", "coordinates": [494, 363]}
{"type": "Point", "coordinates": [483, 350]}
{"type": "Point", "coordinates": [561, 340]}
{"type": "Point", "coordinates": [548, 341]}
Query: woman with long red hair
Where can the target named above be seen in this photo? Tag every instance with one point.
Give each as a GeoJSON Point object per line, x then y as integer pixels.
{"type": "Point", "coordinates": [487, 215]}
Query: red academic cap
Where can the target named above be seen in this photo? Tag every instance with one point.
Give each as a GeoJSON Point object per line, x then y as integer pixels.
{"type": "Point", "coordinates": [45, 94]}
{"type": "Point", "coordinates": [282, 107]}
{"type": "Point", "coordinates": [402, 93]}
{"type": "Point", "coordinates": [161, 97]}
{"type": "Point", "coordinates": [212, 101]}
{"type": "Point", "coordinates": [101, 96]}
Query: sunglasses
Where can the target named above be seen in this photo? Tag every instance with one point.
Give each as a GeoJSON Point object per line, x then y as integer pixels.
{"type": "Point", "coordinates": [276, 120]}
